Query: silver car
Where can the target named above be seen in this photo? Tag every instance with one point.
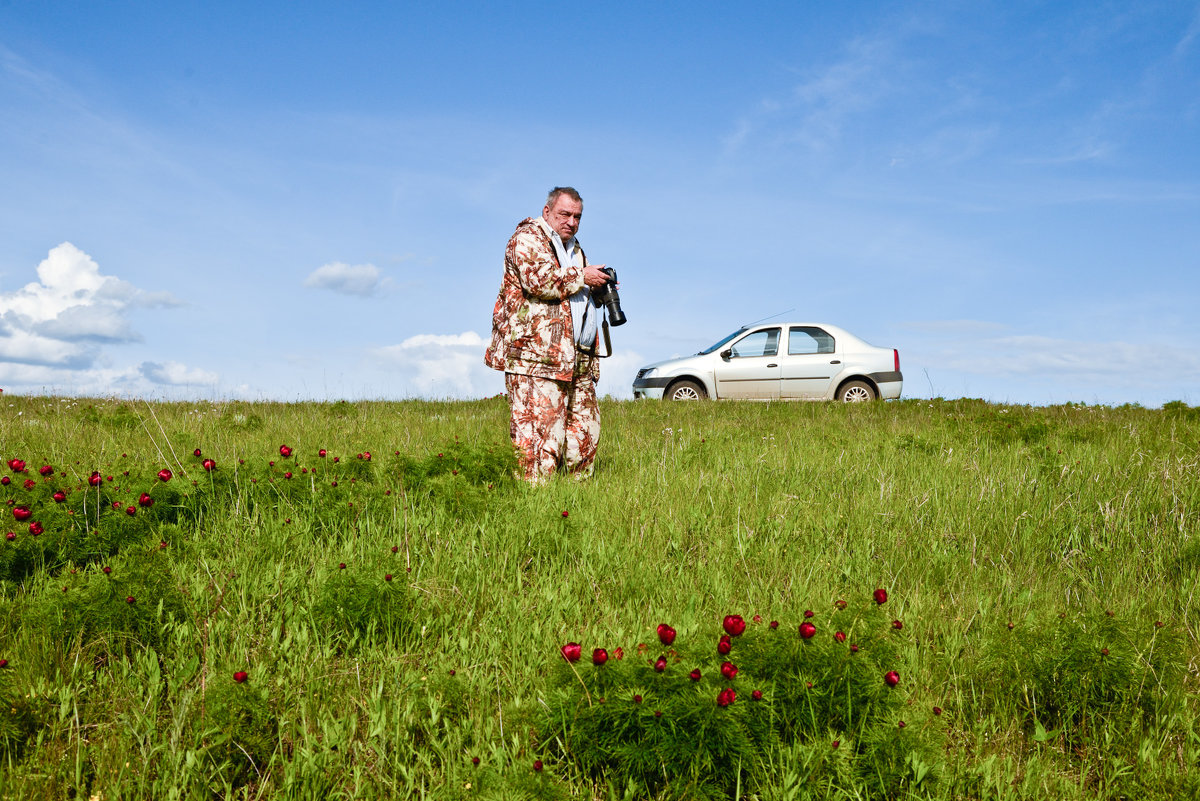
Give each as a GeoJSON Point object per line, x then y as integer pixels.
{"type": "Point", "coordinates": [774, 361]}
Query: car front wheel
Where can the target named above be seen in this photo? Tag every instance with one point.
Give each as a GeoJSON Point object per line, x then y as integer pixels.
{"type": "Point", "coordinates": [856, 392]}
{"type": "Point", "coordinates": [686, 391]}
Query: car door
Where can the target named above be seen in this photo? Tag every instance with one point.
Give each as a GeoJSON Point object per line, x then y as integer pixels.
{"type": "Point", "coordinates": [810, 363]}
{"type": "Point", "coordinates": [749, 367]}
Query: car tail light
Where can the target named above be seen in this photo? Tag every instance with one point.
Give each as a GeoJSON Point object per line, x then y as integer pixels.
{"type": "Point", "coordinates": [896, 354]}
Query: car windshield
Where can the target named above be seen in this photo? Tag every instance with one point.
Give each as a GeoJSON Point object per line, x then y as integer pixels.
{"type": "Point", "coordinates": [721, 342]}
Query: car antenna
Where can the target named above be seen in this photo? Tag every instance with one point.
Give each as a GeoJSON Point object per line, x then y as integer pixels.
{"type": "Point", "coordinates": [772, 317]}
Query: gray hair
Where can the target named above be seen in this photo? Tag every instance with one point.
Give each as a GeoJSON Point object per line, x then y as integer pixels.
{"type": "Point", "coordinates": [569, 191]}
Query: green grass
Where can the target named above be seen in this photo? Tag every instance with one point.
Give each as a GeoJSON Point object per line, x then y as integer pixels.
{"type": "Point", "coordinates": [1077, 525]}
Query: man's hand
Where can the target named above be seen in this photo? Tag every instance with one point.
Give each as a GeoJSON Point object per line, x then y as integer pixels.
{"type": "Point", "coordinates": [594, 275]}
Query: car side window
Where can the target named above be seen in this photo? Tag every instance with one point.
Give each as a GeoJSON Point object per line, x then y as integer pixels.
{"type": "Point", "coordinates": [807, 339]}
{"type": "Point", "coordinates": [760, 343]}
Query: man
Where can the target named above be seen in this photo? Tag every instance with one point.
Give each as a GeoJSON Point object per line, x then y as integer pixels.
{"type": "Point", "coordinates": [545, 331]}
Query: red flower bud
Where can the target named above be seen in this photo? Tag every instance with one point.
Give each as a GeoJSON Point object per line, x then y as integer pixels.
{"type": "Point", "coordinates": [196, 453]}
{"type": "Point", "coordinates": [537, 765]}
{"type": "Point", "coordinates": [35, 528]}
{"type": "Point", "coordinates": [145, 500]}
{"type": "Point", "coordinates": [807, 630]}
{"type": "Point", "coordinates": [666, 634]}
{"type": "Point", "coordinates": [808, 613]}
{"type": "Point", "coordinates": [599, 656]}
{"type": "Point", "coordinates": [241, 676]}
{"type": "Point", "coordinates": [937, 710]}
{"type": "Point", "coordinates": [897, 625]}
{"type": "Point", "coordinates": [840, 636]}
{"type": "Point", "coordinates": [59, 496]}
{"type": "Point", "coordinates": [724, 645]}
{"type": "Point", "coordinates": [729, 671]}
{"type": "Point", "coordinates": [695, 675]}
{"type": "Point", "coordinates": [164, 475]}
{"type": "Point", "coordinates": [756, 695]}
{"type": "Point", "coordinates": [209, 464]}
{"type": "Point", "coordinates": [726, 697]}
{"type": "Point", "coordinates": [891, 678]}
{"type": "Point", "coordinates": [733, 625]}
{"type": "Point", "coordinates": [572, 651]}
{"type": "Point", "coordinates": [22, 513]}
{"type": "Point", "coordinates": [46, 470]}
{"type": "Point", "coordinates": [660, 664]}
{"type": "Point", "coordinates": [774, 624]}
{"type": "Point", "coordinates": [880, 596]}
{"type": "Point", "coordinates": [129, 599]}
{"type": "Point", "coordinates": [285, 451]}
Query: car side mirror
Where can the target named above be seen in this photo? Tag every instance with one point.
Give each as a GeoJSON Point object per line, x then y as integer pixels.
{"type": "Point", "coordinates": [727, 353]}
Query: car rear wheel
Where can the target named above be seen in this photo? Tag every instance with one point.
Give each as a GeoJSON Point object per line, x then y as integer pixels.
{"type": "Point", "coordinates": [686, 391]}
{"type": "Point", "coordinates": [856, 392]}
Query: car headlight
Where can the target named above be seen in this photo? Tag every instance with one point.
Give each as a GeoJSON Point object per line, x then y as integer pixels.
{"type": "Point", "coordinates": [645, 372]}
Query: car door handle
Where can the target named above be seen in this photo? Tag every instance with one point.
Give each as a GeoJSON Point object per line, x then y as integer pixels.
{"type": "Point", "coordinates": [836, 361]}
{"type": "Point", "coordinates": [772, 365]}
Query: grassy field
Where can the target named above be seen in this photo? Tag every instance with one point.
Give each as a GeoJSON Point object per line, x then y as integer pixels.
{"type": "Point", "coordinates": [390, 624]}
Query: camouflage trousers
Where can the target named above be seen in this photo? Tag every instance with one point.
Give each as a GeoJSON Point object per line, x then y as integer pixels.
{"type": "Point", "coordinates": [555, 424]}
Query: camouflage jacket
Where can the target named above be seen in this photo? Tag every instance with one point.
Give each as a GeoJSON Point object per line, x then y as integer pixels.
{"type": "Point", "coordinates": [532, 329]}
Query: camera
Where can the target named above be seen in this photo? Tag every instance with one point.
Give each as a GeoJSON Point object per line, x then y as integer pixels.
{"type": "Point", "coordinates": [607, 297]}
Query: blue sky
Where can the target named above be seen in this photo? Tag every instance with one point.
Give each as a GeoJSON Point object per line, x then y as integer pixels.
{"type": "Point", "coordinates": [311, 201]}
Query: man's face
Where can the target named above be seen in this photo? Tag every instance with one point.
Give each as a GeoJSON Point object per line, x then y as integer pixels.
{"type": "Point", "coordinates": [564, 216]}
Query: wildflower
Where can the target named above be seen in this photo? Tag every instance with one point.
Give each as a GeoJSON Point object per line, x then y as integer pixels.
{"type": "Point", "coordinates": [322, 453]}
{"type": "Point", "coordinates": [22, 513]}
{"type": "Point", "coordinates": [46, 470]}
{"type": "Point", "coordinates": [807, 630]}
{"type": "Point", "coordinates": [724, 645]}
{"type": "Point", "coordinates": [164, 475]}
{"type": "Point", "coordinates": [619, 652]}
{"type": "Point", "coordinates": [660, 664]}
{"type": "Point", "coordinates": [694, 675]}
{"type": "Point", "coordinates": [537, 765]}
{"type": "Point", "coordinates": [241, 676]}
{"type": "Point", "coordinates": [29, 484]}
{"type": "Point", "coordinates": [729, 671]}
{"type": "Point", "coordinates": [209, 464]}
{"type": "Point", "coordinates": [937, 710]}
{"type": "Point", "coordinates": [566, 513]}
{"type": "Point", "coordinates": [599, 656]}
{"type": "Point", "coordinates": [129, 599]}
{"type": "Point", "coordinates": [840, 636]}
{"type": "Point", "coordinates": [808, 613]}
{"type": "Point", "coordinates": [897, 625]}
{"type": "Point", "coordinates": [880, 596]}
{"type": "Point", "coordinates": [16, 465]}
{"type": "Point", "coordinates": [572, 651]}
{"type": "Point", "coordinates": [131, 510]}
{"type": "Point", "coordinates": [666, 634]}
{"type": "Point", "coordinates": [145, 501]}
{"type": "Point", "coordinates": [891, 678]}
{"type": "Point", "coordinates": [726, 697]}
{"type": "Point", "coordinates": [285, 451]}
{"type": "Point", "coordinates": [35, 528]}
{"type": "Point", "coordinates": [196, 453]}
{"type": "Point", "coordinates": [94, 479]}
{"type": "Point", "coordinates": [756, 695]}
{"type": "Point", "coordinates": [840, 604]}
{"type": "Point", "coordinates": [637, 699]}
{"type": "Point", "coordinates": [774, 624]}
{"type": "Point", "coordinates": [733, 625]}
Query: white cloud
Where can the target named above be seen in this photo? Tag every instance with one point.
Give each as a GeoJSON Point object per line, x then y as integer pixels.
{"type": "Point", "coordinates": [442, 365]}
{"type": "Point", "coordinates": [176, 374]}
{"type": "Point", "coordinates": [61, 318]}
{"type": "Point", "coordinates": [347, 279]}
